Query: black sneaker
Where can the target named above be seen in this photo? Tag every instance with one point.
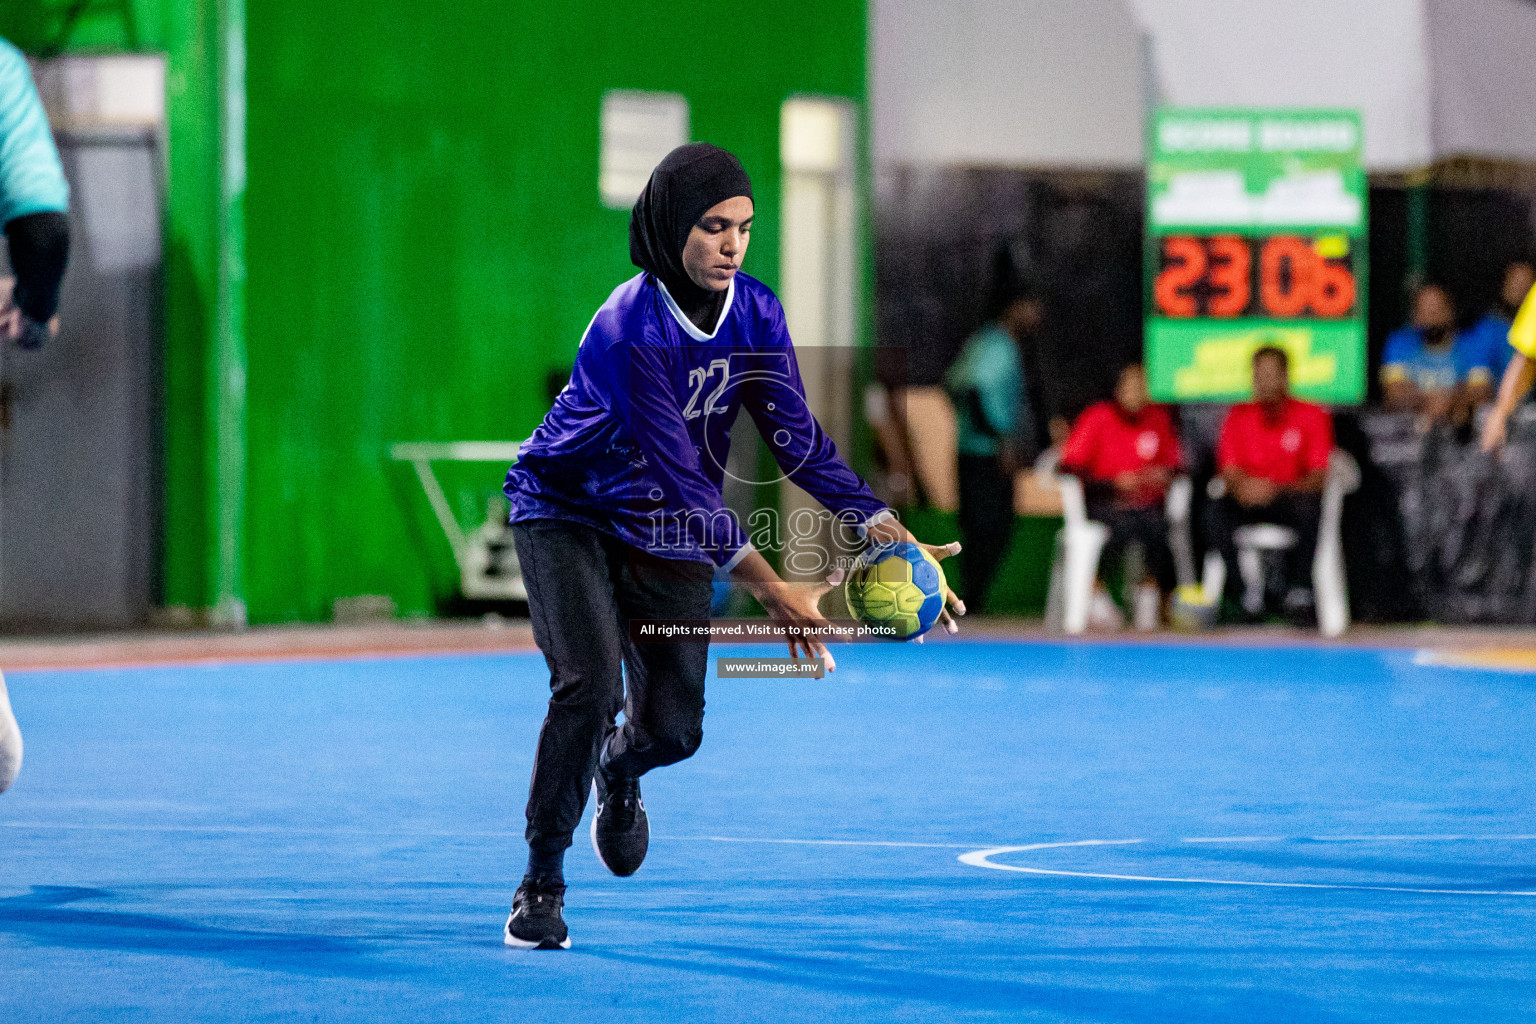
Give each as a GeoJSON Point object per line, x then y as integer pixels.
{"type": "Point", "coordinates": [535, 921]}
{"type": "Point", "coordinates": [621, 831]}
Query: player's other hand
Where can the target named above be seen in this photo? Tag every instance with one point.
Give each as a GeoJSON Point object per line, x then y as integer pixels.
{"type": "Point", "coordinates": [953, 606]}
{"type": "Point", "coordinates": [798, 606]}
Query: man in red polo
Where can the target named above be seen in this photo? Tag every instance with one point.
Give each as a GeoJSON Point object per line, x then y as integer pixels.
{"type": "Point", "coordinates": [1126, 452]}
{"type": "Point", "coordinates": [1273, 456]}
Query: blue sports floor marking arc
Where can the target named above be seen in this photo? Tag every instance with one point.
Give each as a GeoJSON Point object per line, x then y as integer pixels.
{"type": "Point", "coordinates": [983, 859]}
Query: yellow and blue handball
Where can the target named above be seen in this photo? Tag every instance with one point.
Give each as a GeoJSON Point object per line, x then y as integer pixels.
{"type": "Point", "coordinates": [897, 585]}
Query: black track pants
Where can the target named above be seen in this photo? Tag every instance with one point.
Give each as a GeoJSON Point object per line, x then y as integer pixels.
{"type": "Point", "coordinates": [986, 524]}
{"type": "Point", "coordinates": [583, 588]}
{"type": "Point", "coordinates": [1127, 525]}
{"type": "Point", "coordinates": [1301, 512]}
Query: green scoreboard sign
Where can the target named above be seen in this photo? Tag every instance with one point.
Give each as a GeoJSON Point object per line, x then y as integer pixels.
{"type": "Point", "coordinates": [1255, 236]}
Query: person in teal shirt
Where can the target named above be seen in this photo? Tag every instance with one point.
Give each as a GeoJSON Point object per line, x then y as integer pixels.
{"type": "Point", "coordinates": [33, 201]}
{"type": "Point", "coordinates": [995, 432]}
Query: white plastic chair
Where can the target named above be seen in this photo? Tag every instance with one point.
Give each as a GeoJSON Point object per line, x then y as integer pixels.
{"type": "Point", "coordinates": [1081, 541]}
{"type": "Point", "coordinates": [1329, 583]}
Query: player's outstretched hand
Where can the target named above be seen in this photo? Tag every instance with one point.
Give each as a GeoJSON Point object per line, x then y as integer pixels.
{"type": "Point", "coordinates": [891, 530]}
{"type": "Point", "coordinates": [795, 605]}
{"type": "Point", "coordinates": [953, 606]}
{"type": "Point", "coordinates": [798, 605]}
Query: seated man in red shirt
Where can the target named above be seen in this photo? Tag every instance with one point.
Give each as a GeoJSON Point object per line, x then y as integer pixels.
{"type": "Point", "coordinates": [1273, 455]}
{"type": "Point", "coordinates": [1126, 452]}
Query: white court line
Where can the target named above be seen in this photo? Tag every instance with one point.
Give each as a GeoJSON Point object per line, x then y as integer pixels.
{"type": "Point", "coordinates": [974, 858]}
{"type": "Point", "coordinates": [264, 830]}
{"type": "Point", "coordinates": [1233, 839]}
{"type": "Point", "coordinates": [1419, 839]}
{"type": "Point", "coordinates": [822, 842]}
{"type": "Point", "coordinates": [982, 859]}
{"type": "Point", "coordinates": [1360, 839]}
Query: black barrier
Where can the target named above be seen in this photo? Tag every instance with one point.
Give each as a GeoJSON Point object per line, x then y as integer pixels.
{"type": "Point", "coordinates": [1465, 521]}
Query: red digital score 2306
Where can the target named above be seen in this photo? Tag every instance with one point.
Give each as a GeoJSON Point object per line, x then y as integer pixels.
{"type": "Point", "coordinates": [1218, 276]}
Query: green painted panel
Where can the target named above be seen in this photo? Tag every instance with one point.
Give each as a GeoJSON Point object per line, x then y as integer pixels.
{"type": "Point", "coordinates": [48, 27]}
{"type": "Point", "coordinates": [1023, 576]}
{"type": "Point", "coordinates": [1206, 360]}
{"type": "Point", "coordinates": [425, 243]}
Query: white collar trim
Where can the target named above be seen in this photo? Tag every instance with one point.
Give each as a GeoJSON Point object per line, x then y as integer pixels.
{"type": "Point", "coordinates": [689, 325]}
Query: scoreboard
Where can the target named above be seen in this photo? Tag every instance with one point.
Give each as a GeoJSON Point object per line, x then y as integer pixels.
{"type": "Point", "coordinates": [1256, 235]}
{"type": "Point", "coordinates": [1217, 276]}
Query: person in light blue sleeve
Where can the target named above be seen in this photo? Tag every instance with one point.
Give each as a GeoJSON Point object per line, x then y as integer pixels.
{"type": "Point", "coordinates": [33, 201]}
{"type": "Point", "coordinates": [617, 515]}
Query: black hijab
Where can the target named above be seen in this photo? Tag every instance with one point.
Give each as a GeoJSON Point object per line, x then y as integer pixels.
{"type": "Point", "coordinates": [687, 182]}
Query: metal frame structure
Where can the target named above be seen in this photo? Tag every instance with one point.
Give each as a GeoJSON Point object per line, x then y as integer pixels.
{"type": "Point", "coordinates": [471, 552]}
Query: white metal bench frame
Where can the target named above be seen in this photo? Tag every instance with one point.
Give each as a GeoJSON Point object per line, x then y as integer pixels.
{"type": "Point", "coordinates": [1080, 543]}
{"type": "Point", "coordinates": [468, 553]}
{"type": "Point", "coordinates": [1330, 585]}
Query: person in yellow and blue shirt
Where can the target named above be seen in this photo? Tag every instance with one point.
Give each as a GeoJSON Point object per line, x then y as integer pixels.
{"type": "Point", "coordinates": [1427, 368]}
{"type": "Point", "coordinates": [1487, 341]}
{"type": "Point", "coordinates": [1518, 375]}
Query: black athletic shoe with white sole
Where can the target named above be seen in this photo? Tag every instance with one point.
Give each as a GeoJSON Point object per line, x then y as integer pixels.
{"type": "Point", "coordinates": [535, 921]}
{"type": "Point", "coordinates": [621, 831]}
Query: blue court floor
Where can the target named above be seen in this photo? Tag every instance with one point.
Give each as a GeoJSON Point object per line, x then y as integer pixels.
{"type": "Point", "coordinates": [958, 831]}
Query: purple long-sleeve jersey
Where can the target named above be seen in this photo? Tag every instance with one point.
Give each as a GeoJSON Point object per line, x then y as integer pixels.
{"type": "Point", "coordinates": [636, 444]}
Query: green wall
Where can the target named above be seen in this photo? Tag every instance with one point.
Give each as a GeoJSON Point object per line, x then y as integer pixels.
{"type": "Point", "coordinates": [424, 243]}
{"type": "Point", "coordinates": [45, 28]}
